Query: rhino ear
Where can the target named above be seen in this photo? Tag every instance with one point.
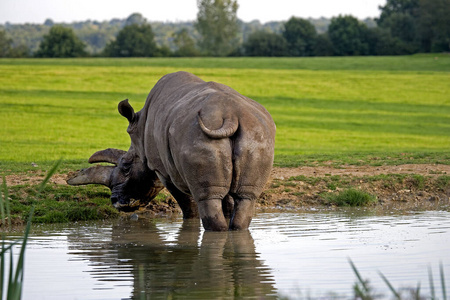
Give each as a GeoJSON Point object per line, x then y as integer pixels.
{"type": "Point", "coordinates": [126, 110]}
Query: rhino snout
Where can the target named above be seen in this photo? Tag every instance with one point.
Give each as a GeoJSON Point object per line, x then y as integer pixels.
{"type": "Point", "coordinates": [119, 203]}
{"type": "Point", "coordinates": [124, 203]}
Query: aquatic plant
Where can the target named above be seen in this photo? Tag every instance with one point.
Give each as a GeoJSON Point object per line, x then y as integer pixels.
{"type": "Point", "coordinates": [364, 291]}
{"type": "Point", "coordinates": [15, 278]}
{"type": "Point", "coordinates": [13, 289]}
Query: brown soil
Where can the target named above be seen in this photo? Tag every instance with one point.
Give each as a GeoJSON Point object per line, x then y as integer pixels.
{"type": "Point", "coordinates": [422, 169]}
{"type": "Point", "coordinates": [33, 178]}
{"type": "Point", "coordinates": [414, 186]}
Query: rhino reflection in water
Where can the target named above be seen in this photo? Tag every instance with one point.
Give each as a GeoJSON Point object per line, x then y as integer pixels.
{"type": "Point", "coordinates": [211, 147]}
{"type": "Point", "coordinates": [189, 265]}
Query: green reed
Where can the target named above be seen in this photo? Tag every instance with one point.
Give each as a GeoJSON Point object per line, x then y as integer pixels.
{"type": "Point", "coordinates": [364, 291]}
{"type": "Point", "coordinates": [11, 287]}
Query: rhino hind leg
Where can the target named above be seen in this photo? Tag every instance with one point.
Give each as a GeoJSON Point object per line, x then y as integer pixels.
{"type": "Point", "coordinates": [211, 214]}
{"type": "Point", "coordinates": [242, 214]}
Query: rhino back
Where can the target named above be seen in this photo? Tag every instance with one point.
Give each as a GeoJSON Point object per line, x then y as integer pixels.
{"type": "Point", "coordinates": [178, 149]}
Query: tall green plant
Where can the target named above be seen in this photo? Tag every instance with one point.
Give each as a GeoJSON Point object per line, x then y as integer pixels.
{"type": "Point", "coordinates": [364, 291]}
{"type": "Point", "coordinates": [13, 289]}
{"type": "Point", "coordinates": [15, 278]}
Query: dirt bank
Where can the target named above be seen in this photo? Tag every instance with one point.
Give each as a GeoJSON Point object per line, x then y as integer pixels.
{"type": "Point", "coordinates": [414, 186]}
{"type": "Point", "coordinates": [418, 186]}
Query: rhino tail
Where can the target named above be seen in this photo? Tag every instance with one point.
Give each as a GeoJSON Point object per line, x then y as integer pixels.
{"type": "Point", "coordinates": [229, 127]}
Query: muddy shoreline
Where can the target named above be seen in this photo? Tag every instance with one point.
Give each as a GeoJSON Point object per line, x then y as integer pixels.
{"type": "Point", "coordinates": [397, 188]}
{"type": "Point", "coordinates": [403, 187]}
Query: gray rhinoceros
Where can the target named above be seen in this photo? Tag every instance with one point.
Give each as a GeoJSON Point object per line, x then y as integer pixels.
{"type": "Point", "coordinates": [210, 146]}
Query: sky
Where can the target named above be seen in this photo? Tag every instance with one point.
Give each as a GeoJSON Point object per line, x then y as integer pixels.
{"type": "Point", "coordinates": [37, 11]}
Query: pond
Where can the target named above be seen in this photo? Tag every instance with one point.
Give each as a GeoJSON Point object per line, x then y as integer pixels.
{"type": "Point", "coordinates": [285, 253]}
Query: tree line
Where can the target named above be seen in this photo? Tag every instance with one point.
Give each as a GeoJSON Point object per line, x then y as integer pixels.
{"type": "Point", "coordinates": [403, 27]}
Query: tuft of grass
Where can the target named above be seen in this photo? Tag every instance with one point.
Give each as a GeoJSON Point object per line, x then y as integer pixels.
{"type": "Point", "coordinates": [443, 181]}
{"type": "Point", "coordinates": [418, 181]}
{"type": "Point", "coordinates": [350, 197]}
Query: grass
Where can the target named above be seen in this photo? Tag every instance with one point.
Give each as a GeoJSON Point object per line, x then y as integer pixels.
{"type": "Point", "coordinates": [418, 62]}
{"type": "Point", "coordinates": [350, 110]}
{"type": "Point", "coordinates": [58, 203]}
{"type": "Point", "coordinates": [351, 197]}
{"type": "Point", "coordinates": [53, 203]}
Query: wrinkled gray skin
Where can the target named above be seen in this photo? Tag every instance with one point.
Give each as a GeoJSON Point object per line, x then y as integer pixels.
{"type": "Point", "coordinates": [211, 147]}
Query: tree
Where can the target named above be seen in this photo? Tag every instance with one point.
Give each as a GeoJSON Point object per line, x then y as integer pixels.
{"type": "Point", "coordinates": [217, 25]}
{"type": "Point", "coordinates": [135, 18]}
{"type": "Point", "coordinates": [262, 43]}
{"type": "Point", "coordinates": [323, 45]}
{"type": "Point", "coordinates": [392, 7]}
{"type": "Point", "coordinates": [434, 25]}
{"type": "Point", "coordinates": [5, 44]}
{"type": "Point", "coordinates": [49, 22]}
{"type": "Point", "coordinates": [417, 25]}
{"type": "Point", "coordinates": [300, 35]}
{"type": "Point", "coordinates": [185, 44]}
{"type": "Point", "coordinates": [348, 36]}
{"type": "Point", "coordinates": [60, 42]}
{"type": "Point", "coordinates": [133, 41]}
{"type": "Point", "coordinates": [400, 18]}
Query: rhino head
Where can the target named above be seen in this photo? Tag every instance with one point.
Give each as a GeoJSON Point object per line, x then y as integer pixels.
{"type": "Point", "coordinates": [128, 178]}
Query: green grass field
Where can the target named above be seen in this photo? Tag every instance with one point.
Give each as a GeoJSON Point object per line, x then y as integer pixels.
{"type": "Point", "coordinates": [345, 109]}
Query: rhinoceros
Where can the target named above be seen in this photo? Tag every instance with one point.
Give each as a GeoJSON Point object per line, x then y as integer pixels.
{"type": "Point", "coordinates": [211, 147]}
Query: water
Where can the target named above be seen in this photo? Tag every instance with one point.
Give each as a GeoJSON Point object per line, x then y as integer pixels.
{"type": "Point", "coordinates": [294, 254]}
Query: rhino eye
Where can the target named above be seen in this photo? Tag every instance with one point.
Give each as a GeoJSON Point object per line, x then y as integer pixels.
{"type": "Point", "coordinates": [126, 167]}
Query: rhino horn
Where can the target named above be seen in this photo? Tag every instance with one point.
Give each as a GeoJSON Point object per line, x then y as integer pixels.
{"type": "Point", "coordinates": [109, 155]}
{"type": "Point", "coordinates": [92, 175]}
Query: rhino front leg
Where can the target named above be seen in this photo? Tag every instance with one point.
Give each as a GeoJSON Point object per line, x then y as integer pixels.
{"type": "Point", "coordinates": [186, 202]}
